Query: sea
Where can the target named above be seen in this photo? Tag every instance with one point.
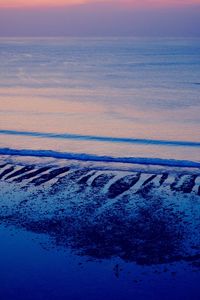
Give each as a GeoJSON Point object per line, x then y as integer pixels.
{"type": "Point", "coordinates": [98, 98]}
{"type": "Point", "coordinates": [120, 100]}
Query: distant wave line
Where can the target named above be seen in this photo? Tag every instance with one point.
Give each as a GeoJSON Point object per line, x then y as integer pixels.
{"type": "Point", "coordinates": [96, 158]}
{"type": "Point", "coordinates": [102, 138]}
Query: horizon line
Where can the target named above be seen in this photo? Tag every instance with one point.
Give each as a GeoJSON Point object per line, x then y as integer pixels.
{"type": "Point", "coordinates": [102, 36]}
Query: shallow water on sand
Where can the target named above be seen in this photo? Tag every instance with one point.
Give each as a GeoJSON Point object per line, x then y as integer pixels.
{"type": "Point", "coordinates": [29, 271]}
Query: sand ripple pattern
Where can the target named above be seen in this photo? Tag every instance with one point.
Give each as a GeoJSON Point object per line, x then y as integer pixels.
{"type": "Point", "coordinates": [139, 216]}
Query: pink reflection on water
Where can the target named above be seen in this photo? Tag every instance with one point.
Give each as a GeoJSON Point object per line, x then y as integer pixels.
{"type": "Point", "coordinates": [26, 110]}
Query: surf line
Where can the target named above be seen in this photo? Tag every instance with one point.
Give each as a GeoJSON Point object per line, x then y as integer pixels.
{"type": "Point", "coordinates": [101, 138]}
{"type": "Point", "coordinates": [99, 158]}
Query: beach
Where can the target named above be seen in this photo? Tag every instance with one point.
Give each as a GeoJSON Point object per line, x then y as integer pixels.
{"type": "Point", "coordinates": [95, 215]}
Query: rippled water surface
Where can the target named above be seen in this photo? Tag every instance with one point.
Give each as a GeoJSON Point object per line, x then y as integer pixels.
{"type": "Point", "coordinates": [92, 91]}
{"type": "Point", "coordinates": [117, 217]}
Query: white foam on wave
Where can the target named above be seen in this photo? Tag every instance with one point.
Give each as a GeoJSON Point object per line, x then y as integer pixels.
{"type": "Point", "coordinates": [98, 158]}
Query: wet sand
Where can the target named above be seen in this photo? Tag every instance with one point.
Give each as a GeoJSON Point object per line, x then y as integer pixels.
{"type": "Point", "coordinates": [146, 218]}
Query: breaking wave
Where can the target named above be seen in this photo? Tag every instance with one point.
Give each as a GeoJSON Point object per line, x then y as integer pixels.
{"type": "Point", "coordinates": [99, 158]}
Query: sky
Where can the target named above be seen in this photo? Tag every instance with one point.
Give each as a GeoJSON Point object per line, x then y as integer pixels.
{"type": "Point", "coordinates": [143, 3]}
{"type": "Point", "coordinates": [100, 18]}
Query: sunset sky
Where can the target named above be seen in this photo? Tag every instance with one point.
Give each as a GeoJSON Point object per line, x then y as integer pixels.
{"type": "Point", "coordinates": [100, 17]}
{"type": "Point", "coordinates": [144, 3]}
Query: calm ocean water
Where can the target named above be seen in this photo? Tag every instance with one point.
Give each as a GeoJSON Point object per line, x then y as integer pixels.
{"type": "Point", "coordinates": [116, 97]}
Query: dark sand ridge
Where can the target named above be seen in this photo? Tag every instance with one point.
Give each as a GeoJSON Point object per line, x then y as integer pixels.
{"type": "Point", "coordinates": [143, 217]}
